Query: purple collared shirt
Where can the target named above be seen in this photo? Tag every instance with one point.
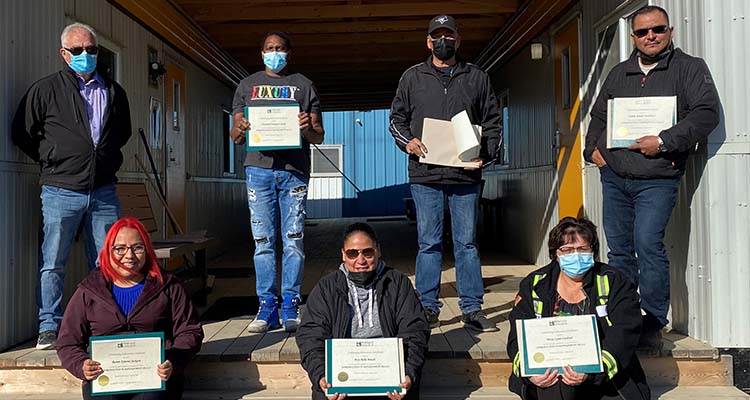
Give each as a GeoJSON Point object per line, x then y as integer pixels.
{"type": "Point", "coordinates": [95, 96]}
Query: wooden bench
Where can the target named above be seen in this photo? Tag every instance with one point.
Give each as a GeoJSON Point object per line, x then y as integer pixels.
{"type": "Point", "coordinates": [134, 202]}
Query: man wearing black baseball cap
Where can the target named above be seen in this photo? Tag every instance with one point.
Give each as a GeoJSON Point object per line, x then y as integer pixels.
{"type": "Point", "coordinates": [441, 87]}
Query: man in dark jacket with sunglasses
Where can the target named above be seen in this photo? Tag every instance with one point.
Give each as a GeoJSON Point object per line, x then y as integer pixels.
{"type": "Point", "coordinates": [73, 123]}
{"type": "Point", "coordinates": [640, 183]}
{"type": "Point", "coordinates": [440, 88]}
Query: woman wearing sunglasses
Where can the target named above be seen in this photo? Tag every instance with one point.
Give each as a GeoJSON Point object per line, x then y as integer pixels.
{"type": "Point", "coordinates": [362, 299]}
{"type": "Point", "coordinates": [128, 293]}
{"type": "Point", "coordinates": [574, 284]}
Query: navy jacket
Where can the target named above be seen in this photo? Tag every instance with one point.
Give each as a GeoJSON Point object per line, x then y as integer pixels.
{"type": "Point", "coordinates": [51, 126]}
{"type": "Point", "coordinates": [679, 75]}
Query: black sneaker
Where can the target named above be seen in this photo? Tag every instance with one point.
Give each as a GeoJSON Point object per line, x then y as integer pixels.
{"type": "Point", "coordinates": [433, 317]}
{"type": "Point", "coordinates": [478, 321]}
{"type": "Point", "coordinates": [46, 340]}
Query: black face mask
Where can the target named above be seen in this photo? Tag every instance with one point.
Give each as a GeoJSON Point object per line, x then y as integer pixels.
{"type": "Point", "coordinates": [664, 54]}
{"type": "Point", "coordinates": [444, 49]}
{"type": "Point", "coordinates": [363, 279]}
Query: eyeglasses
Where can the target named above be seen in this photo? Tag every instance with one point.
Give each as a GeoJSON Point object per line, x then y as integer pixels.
{"type": "Point", "coordinates": [573, 249]}
{"type": "Point", "coordinates": [78, 50]}
{"type": "Point", "coordinates": [658, 30]}
{"type": "Point", "coordinates": [121, 249]}
{"type": "Point", "coordinates": [352, 254]}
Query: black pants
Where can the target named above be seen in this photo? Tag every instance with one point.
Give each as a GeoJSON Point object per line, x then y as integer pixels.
{"type": "Point", "coordinates": [173, 391]}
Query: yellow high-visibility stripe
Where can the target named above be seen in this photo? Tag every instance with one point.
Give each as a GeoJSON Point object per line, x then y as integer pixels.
{"type": "Point", "coordinates": [610, 362]}
{"type": "Point", "coordinates": [517, 365]}
{"type": "Point", "coordinates": [538, 305]}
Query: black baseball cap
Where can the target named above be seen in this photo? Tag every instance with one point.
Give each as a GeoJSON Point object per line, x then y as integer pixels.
{"type": "Point", "coordinates": [442, 21]}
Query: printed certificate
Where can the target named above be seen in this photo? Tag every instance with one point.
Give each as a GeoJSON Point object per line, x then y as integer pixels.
{"type": "Point", "coordinates": [629, 118]}
{"type": "Point", "coordinates": [365, 367]}
{"type": "Point", "coordinates": [273, 127]}
{"type": "Point", "coordinates": [129, 363]}
{"type": "Point", "coordinates": [559, 341]}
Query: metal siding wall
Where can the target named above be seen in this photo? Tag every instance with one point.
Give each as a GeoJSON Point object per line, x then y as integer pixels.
{"type": "Point", "coordinates": [528, 210]}
{"type": "Point", "coordinates": [714, 224]}
{"type": "Point", "coordinates": [371, 160]}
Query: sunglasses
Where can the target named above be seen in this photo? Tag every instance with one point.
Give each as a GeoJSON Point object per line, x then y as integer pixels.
{"type": "Point", "coordinates": [659, 29]}
{"type": "Point", "coordinates": [78, 50]}
{"type": "Point", "coordinates": [352, 254]}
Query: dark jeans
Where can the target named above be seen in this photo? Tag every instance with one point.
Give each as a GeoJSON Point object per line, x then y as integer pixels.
{"type": "Point", "coordinates": [173, 391]}
{"type": "Point", "coordinates": [635, 214]}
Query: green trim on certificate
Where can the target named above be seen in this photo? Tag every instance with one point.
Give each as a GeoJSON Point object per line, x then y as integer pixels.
{"type": "Point", "coordinates": [159, 335]}
{"type": "Point", "coordinates": [248, 140]}
{"type": "Point", "coordinates": [362, 390]}
{"type": "Point", "coordinates": [588, 368]}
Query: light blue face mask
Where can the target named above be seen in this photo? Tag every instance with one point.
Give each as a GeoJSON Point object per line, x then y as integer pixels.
{"type": "Point", "coordinates": [83, 63]}
{"type": "Point", "coordinates": [577, 264]}
{"type": "Point", "coordinates": [275, 61]}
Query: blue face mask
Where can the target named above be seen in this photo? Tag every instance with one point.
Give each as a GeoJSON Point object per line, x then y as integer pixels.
{"type": "Point", "coordinates": [275, 61]}
{"type": "Point", "coordinates": [83, 63]}
{"type": "Point", "coordinates": [577, 264]}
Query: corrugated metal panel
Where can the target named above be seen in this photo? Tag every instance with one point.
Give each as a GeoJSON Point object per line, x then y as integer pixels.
{"type": "Point", "coordinates": [527, 212]}
{"type": "Point", "coordinates": [325, 198]}
{"type": "Point", "coordinates": [371, 160]}
{"type": "Point", "coordinates": [709, 227]}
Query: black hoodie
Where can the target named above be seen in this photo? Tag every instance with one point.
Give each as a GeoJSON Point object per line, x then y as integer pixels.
{"type": "Point", "coordinates": [52, 127]}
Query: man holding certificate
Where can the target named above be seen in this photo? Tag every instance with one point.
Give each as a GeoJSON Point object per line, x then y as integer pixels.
{"type": "Point", "coordinates": [651, 112]}
{"type": "Point", "coordinates": [276, 116]}
{"type": "Point", "coordinates": [364, 332]}
{"type": "Point", "coordinates": [130, 329]}
{"type": "Point", "coordinates": [430, 94]}
{"type": "Point", "coordinates": [555, 354]}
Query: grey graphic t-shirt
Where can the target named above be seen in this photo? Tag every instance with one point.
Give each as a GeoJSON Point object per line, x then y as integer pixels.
{"type": "Point", "coordinates": [263, 90]}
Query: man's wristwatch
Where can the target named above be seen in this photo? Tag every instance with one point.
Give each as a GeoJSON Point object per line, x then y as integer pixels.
{"type": "Point", "coordinates": [662, 147]}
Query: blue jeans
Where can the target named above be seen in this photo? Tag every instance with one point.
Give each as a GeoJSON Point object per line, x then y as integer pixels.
{"type": "Point", "coordinates": [635, 214]}
{"type": "Point", "coordinates": [463, 201]}
{"type": "Point", "coordinates": [64, 211]}
{"type": "Point", "coordinates": [270, 190]}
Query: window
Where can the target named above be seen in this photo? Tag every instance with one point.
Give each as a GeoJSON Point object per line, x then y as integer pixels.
{"type": "Point", "coordinates": [327, 160]}
{"type": "Point", "coordinates": [565, 79]}
{"type": "Point", "coordinates": [228, 142]}
{"type": "Point", "coordinates": [176, 104]}
{"type": "Point", "coordinates": [155, 123]}
{"type": "Point", "coordinates": [504, 156]}
{"type": "Point", "coordinates": [106, 62]}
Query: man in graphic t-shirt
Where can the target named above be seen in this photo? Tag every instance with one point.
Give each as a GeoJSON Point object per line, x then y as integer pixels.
{"type": "Point", "coordinates": [277, 181]}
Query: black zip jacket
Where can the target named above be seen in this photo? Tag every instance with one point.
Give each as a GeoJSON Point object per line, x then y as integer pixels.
{"type": "Point", "coordinates": [421, 93]}
{"type": "Point", "coordinates": [619, 340]}
{"type": "Point", "coordinates": [679, 75]}
{"type": "Point", "coordinates": [52, 127]}
{"type": "Point", "coordinates": [327, 317]}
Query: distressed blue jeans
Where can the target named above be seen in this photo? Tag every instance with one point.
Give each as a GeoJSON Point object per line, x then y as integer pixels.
{"type": "Point", "coordinates": [268, 192]}
{"type": "Point", "coordinates": [635, 214]}
{"type": "Point", "coordinates": [64, 211]}
{"type": "Point", "coordinates": [463, 202]}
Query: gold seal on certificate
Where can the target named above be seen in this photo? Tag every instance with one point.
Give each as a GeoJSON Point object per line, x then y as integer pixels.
{"type": "Point", "coordinates": [559, 341]}
{"type": "Point", "coordinates": [365, 367]}
{"type": "Point", "coordinates": [273, 127]}
{"type": "Point", "coordinates": [129, 363]}
{"type": "Point", "coordinates": [630, 118]}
